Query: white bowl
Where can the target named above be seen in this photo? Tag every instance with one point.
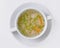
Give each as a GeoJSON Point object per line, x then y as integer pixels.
{"type": "Point", "coordinates": [31, 6]}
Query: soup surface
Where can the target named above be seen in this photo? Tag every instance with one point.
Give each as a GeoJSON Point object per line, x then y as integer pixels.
{"type": "Point", "coordinates": [30, 23]}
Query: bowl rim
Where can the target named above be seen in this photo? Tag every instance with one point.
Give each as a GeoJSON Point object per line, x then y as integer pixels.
{"type": "Point", "coordinates": [31, 6]}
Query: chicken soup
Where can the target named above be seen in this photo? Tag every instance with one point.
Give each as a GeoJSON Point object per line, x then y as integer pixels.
{"type": "Point", "coordinates": [30, 23]}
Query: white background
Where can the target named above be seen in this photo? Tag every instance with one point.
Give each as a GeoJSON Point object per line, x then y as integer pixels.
{"type": "Point", "coordinates": [7, 40]}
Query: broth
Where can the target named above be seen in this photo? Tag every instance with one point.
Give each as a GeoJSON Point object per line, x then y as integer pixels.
{"type": "Point", "coordinates": [30, 23]}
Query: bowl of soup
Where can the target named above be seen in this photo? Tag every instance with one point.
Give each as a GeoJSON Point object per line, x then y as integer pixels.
{"type": "Point", "coordinates": [30, 22]}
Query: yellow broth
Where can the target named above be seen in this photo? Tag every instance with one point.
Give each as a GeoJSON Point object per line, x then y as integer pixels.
{"type": "Point", "coordinates": [30, 23]}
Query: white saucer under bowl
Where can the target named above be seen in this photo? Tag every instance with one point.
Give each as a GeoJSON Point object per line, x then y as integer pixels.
{"type": "Point", "coordinates": [35, 41]}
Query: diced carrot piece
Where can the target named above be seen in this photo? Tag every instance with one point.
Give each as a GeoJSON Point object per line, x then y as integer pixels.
{"type": "Point", "coordinates": [41, 21]}
{"type": "Point", "coordinates": [37, 29]}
